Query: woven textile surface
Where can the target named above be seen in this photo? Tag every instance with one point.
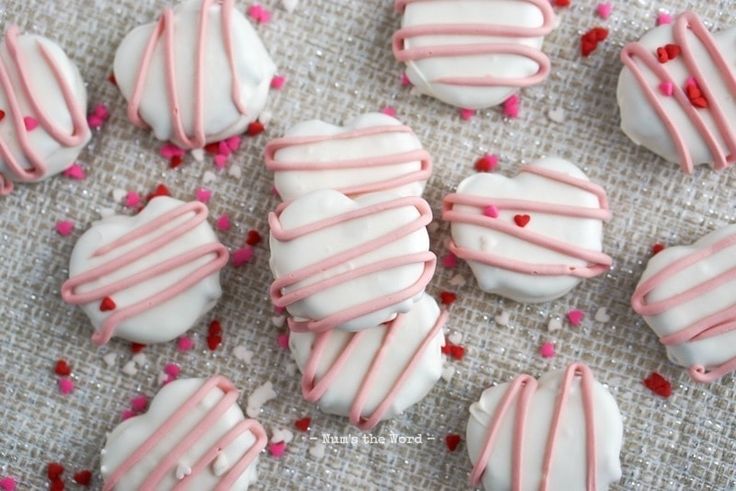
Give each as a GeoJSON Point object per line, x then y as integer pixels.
{"type": "Point", "coordinates": [337, 59]}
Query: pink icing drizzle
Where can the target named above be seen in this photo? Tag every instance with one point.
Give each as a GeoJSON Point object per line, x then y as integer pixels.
{"type": "Point", "coordinates": [80, 130]}
{"type": "Point", "coordinates": [165, 28]}
{"type": "Point", "coordinates": [598, 262]}
{"type": "Point", "coordinates": [107, 330]}
{"type": "Point", "coordinates": [522, 389]}
{"type": "Point", "coordinates": [229, 399]}
{"type": "Point", "coordinates": [688, 22]}
{"type": "Point", "coordinates": [404, 54]}
{"type": "Point", "coordinates": [314, 389]}
{"type": "Point", "coordinates": [421, 155]}
{"type": "Point", "coordinates": [281, 299]}
{"type": "Point", "coordinates": [713, 325]}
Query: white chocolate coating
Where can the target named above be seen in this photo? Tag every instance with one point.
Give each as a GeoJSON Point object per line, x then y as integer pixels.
{"type": "Point", "coordinates": [130, 434]}
{"type": "Point", "coordinates": [170, 319]}
{"type": "Point", "coordinates": [568, 471]}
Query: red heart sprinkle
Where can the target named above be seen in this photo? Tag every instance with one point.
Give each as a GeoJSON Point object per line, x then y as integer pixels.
{"type": "Point", "coordinates": [486, 163]}
{"type": "Point", "coordinates": [662, 55]}
{"type": "Point", "coordinates": [111, 78]}
{"type": "Point", "coordinates": [62, 368]}
{"type": "Point", "coordinates": [447, 298]}
{"type": "Point", "coordinates": [212, 148]}
{"type": "Point", "coordinates": [255, 128]}
{"type": "Point", "coordinates": [2, 114]}
{"type": "Point", "coordinates": [522, 220]}
{"type": "Point", "coordinates": [57, 485]}
{"type": "Point", "coordinates": [215, 328]}
{"type": "Point", "coordinates": [107, 304]}
{"type": "Point", "coordinates": [700, 102]}
{"type": "Point", "coordinates": [175, 161]}
{"type": "Point", "coordinates": [453, 350]}
{"type": "Point", "coordinates": [213, 342]}
{"type": "Point", "coordinates": [673, 51]}
{"type": "Point", "coordinates": [452, 441]}
{"type": "Point", "coordinates": [303, 424]}
{"type": "Point", "coordinates": [657, 248]}
{"type": "Point", "coordinates": [136, 347]}
{"type": "Point", "coordinates": [658, 384]}
{"type": "Point", "coordinates": [83, 477]}
{"type": "Point", "coordinates": [587, 47]}
{"type": "Point", "coordinates": [562, 3]}
{"type": "Point", "coordinates": [160, 190]}
{"type": "Point", "coordinates": [54, 471]}
{"type": "Point", "coordinates": [253, 238]}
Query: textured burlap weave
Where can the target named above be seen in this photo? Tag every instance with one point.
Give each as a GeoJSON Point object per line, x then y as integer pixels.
{"type": "Point", "coordinates": [336, 55]}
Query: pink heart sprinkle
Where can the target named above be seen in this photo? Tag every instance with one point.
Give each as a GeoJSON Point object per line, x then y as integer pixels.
{"type": "Point", "coordinates": [169, 150]}
{"type": "Point", "coordinates": [220, 161]}
{"type": "Point", "coordinates": [575, 317]}
{"type": "Point", "coordinates": [277, 449]}
{"type": "Point", "coordinates": [277, 82]}
{"type": "Point", "coordinates": [95, 122]}
{"type": "Point", "coordinates": [132, 199]}
{"type": "Point", "coordinates": [75, 172]}
{"type": "Point", "coordinates": [279, 310]}
{"type": "Point", "coordinates": [259, 13]}
{"type": "Point", "coordinates": [64, 227]}
{"type": "Point", "coordinates": [66, 385]}
{"type": "Point", "coordinates": [223, 148]}
{"type": "Point", "coordinates": [490, 211]}
{"type": "Point", "coordinates": [139, 404]}
{"type": "Point", "coordinates": [172, 369]}
{"type": "Point", "coordinates": [466, 114]}
{"type": "Point", "coordinates": [547, 350]}
{"type": "Point", "coordinates": [449, 261]}
{"type": "Point", "coordinates": [101, 111]}
{"type": "Point", "coordinates": [667, 88]}
{"type": "Point", "coordinates": [511, 107]}
{"type": "Point", "coordinates": [604, 10]}
{"type": "Point", "coordinates": [664, 18]}
{"type": "Point", "coordinates": [242, 256]}
{"type": "Point", "coordinates": [283, 340]}
{"type": "Point", "coordinates": [405, 82]}
{"type": "Point", "coordinates": [203, 195]}
{"type": "Point", "coordinates": [233, 142]}
{"type": "Point", "coordinates": [223, 223]}
{"type": "Point", "coordinates": [389, 111]}
{"type": "Point", "coordinates": [185, 343]}
{"type": "Point", "coordinates": [31, 123]}
{"type": "Point", "coordinates": [127, 414]}
{"type": "Point", "coordinates": [7, 484]}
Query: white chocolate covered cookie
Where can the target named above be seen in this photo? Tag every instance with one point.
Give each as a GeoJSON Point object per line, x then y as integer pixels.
{"type": "Point", "coordinates": [686, 295]}
{"type": "Point", "coordinates": [533, 237]}
{"type": "Point", "coordinates": [377, 373]}
{"type": "Point", "coordinates": [563, 432]}
{"type": "Point", "coordinates": [193, 436]}
{"type": "Point", "coordinates": [473, 53]}
{"type": "Point", "coordinates": [200, 74]}
{"type": "Point", "coordinates": [373, 152]}
{"type": "Point", "coordinates": [349, 264]}
{"type": "Point", "coordinates": [677, 93]}
{"type": "Point", "coordinates": [43, 105]}
{"type": "Point", "coordinates": [147, 278]}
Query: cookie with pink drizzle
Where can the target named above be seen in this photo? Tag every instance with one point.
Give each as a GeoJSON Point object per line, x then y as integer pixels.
{"type": "Point", "coordinates": [677, 93]}
{"type": "Point", "coordinates": [349, 264]}
{"type": "Point", "coordinates": [197, 75]}
{"type": "Point", "coordinates": [473, 53]}
{"type": "Point", "coordinates": [562, 432]}
{"type": "Point", "coordinates": [686, 295]}
{"type": "Point", "coordinates": [193, 436]}
{"type": "Point", "coordinates": [373, 152]}
{"type": "Point", "coordinates": [377, 373]}
{"type": "Point", "coordinates": [147, 278]}
{"type": "Point", "coordinates": [533, 237]}
{"type": "Point", "coordinates": [43, 106]}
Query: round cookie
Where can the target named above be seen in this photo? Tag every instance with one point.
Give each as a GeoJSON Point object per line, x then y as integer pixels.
{"type": "Point", "coordinates": [193, 436]}
{"type": "Point", "coordinates": [686, 296]}
{"type": "Point", "coordinates": [564, 431]}
{"type": "Point", "coordinates": [377, 373]}
{"type": "Point", "coordinates": [372, 152]}
{"type": "Point", "coordinates": [43, 103]}
{"type": "Point", "coordinates": [524, 249]}
{"type": "Point", "coordinates": [676, 93]}
{"type": "Point", "coordinates": [349, 264]}
{"type": "Point", "coordinates": [473, 54]}
{"type": "Point", "coordinates": [147, 278]}
{"type": "Point", "coordinates": [198, 75]}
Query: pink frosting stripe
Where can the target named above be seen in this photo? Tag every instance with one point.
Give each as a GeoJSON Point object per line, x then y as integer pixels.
{"type": "Point", "coordinates": [404, 54]}
{"type": "Point", "coordinates": [314, 389]}
{"type": "Point", "coordinates": [199, 215]}
{"type": "Point", "coordinates": [165, 29]}
{"type": "Point", "coordinates": [713, 325]}
{"type": "Point", "coordinates": [522, 389]}
{"type": "Point", "coordinates": [424, 172]}
{"type": "Point", "coordinates": [80, 131]}
{"type": "Point", "coordinates": [598, 262]}
{"type": "Point", "coordinates": [281, 299]}
{"type": "Point", "coordinates": [229, 399]}
{"type": "Point", "coordinates": [685, 23]}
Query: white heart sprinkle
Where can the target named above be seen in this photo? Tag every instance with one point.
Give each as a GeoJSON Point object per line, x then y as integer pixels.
{"type": "Point", "coordinates": [601, 315]}
{"type": "Point", "coordinates": [106, 212]}
{"type": "Point", "coordinates": [119, 194]}
{"type": "Point", "coordinates": [242, 353]}
{"type": "Point", "coordinates": [278, 320]}
{"type": "Point", "coordinates": [110, 359]}
{"type": "Point", "coordinates": [182, 471]}
{"type": "Point", "coordinates": [555, 324]}
{"type": "Point", "coordinates": [259, 397]}
{"type": "Point", "coordinates": [447, 373]}
{"type": "Point", "coordinates": [220, 465]}
{"type": "Point", "coordinates": [208, 177]}
{"type": "Point", "coordinates": [130, 368]}
{"type": "Point", "coordinates": [317, 450]}
{"type": "Point", "coordinates": [235, 171]}
{"type": "Point", "coordinates": [502, 319]}
{"type": "Point", "coordinates": [289, 5]}
{"type": "Point", "coordinates": [265, 117]}
{"type": "Point", "coordinates": [557, 115]}
{"type": "Point", "coordinates": [198, 154]}
{"type": "Point", "coordinates": [458, 280]}
{"type": "Point", "coordinates": [162, 378]}
{"type": "Point", "coordinates": [139, 359]}
{"type": "Point", "coordinates": [455, 337]}
{"type": "Point", "coordinates": [282, 435]}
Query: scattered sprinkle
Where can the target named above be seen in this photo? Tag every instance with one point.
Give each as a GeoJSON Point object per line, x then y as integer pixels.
{"type": "Point", "coordinates": [62, 368]}
{"type": "Point", "coordinates": [389, 111]}
{"type": "Point", "coordinates": [522, 220]}
{"type": "Point", "coordinates": [601, 315]}
{"type": "Point", "coordinates": [107, 304]}
{"type": "Point", "coordinates": [283, 341]}
{"type": "Point", "coordinates": [132, 199]}
{"type": "Point", "coordinates": [454, 351]}
{"type": "Point", "coordinates": [182, 471]}
{"type": "Point", "coordinates": [98, 117]}
{"type": "Point", "coordinates": [555, 324]}
{"type": "Point", "coordinates": [64, 227]}
{"type": "Point", "coordinates": [449, 261]}
{"type": "Point", "coordinates": [253, 238]}
{"type": "Point", "coordinates": [223, 223]}
{"type": "Point", "coordinates": [277, 82]}
{"type": "Point", "coordinates": [317, 450]}
{"type": "Point", "coordinates": [303, 424]}
{"type": "Point", "coordinates": [458, 280]}
{"type": "Point", "coordinates": [695, 95]}
{"type": "Point", "coordinates": [668, 52]}
{"type": "Point", "coordinates": [184, 343]}
{"type": "Point", "coordinates": [452, 441]}
{"type": "Point", "coordinates": [136, 347]}
{"type": "Point", "coordinates": [54, 470]}
{"type": "Point", "coordinates": [277, 449]}
{"type": "Point", "coordinates": [575, 317]}
{"type": "Point", "coordinates": [490, 211]}
{"type": "Point", "coordinates": [486, 163]}
{"type": "Point", "coordinates": [242, 353]}
{"type": "Point", "coordinates": [83, 478]}
{"type": "Point", "coordinates": [30, 123]}
{"type": "Point", "coordinates": [214, 335]}
{"type": "Point", "coordinates": [561, 3]}
{"type": "Point", "coordinates": [658, 384]}
{"type": "Point", "coordinates": [289, 5]}
{"type": "Point", "coordinates": [604, 10]}
{"type": "Point", "coordinates": [75, 172]}
{"type": "Point", "coordinates": [110, 358]}
{"type": "Point", "coordinates": [175, 162]}
{"type": "Point", "coordinates": [278, 320]}
{"type": "Point", "coordinates": [590, 40]}
{"type": "Point", "coordinates": [139, 403]}
{"type": "Point", "coordinates": [242, 256]}
{"type": "Point", "coordinates": [667, 88]}
{"type": "Point", "coordinates": [447, 373]}
{"type": "Point", "coordinates": [456, 337]}
{"type": "Point", "coordinates": [657, 248]}
{"type": "Point", "coordinates": [547, 350]}
{"type": "Point", "coordinates": [466, 114]}
{"type": "Point", "coordinates": [203, 194]}
{"type": "Point", "coordinates": [127, 414]}
{"type": "Point", "coordinates": [233, 143]}
{"type": "Point", "coordinates": [130, 368]}
{"type": "Point", "coordinates": [172, 369]}
{"type": "Point", "coordinates": [259, 13]}
{"type": "Point", "coordinates": [663, 18]}
{"type": "Point", "coordinates": [7, 483]}
{"type": "Point", "coordinates": [557, 115]}
{"type": "Point", "coordinates": [169, 150]}
{"type": "Point", "coordinates": [405, 82]}
{"type": "Point", "coordinates": [282, 435]}
{"type": "Point", "coordinates": [208, 177]}
{"type": "Point", "coordinates": [447, 298]}
{"type": "Point", "coordinates": [511, 106]}
{"type": "Point", "coordinates": [66, 385]}
{"type": "Point", "coordinates": [260, 396]}
{"type": "Point", "coordinates": [502, 319]}
{"type": "Point", "coordinates": [220, 161]}
{"type": "Point", "coordinates": [160, 190]}
{"type": "Point", "coordinates": [255, 128]}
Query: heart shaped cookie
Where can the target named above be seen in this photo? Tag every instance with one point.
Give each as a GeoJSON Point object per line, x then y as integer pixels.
{"type": "Point", "coordinates": [373, 152]}
{"type": "Point", "coordinates": [349, 264]}
{"type": "Point", "coordinates": [531, 238]}
{"type": "Point", "coordinates": [377, 373]}
{"type": "Point", "coordinates": [198, 75]}
{"type": "Point", "coordinates": [686, 297]}
{"type": "Point", "coordinates": [147, 278]}
{"type": "Point", "coordinates": [470, 53]}
{"type": "Point", "coordinates": [43, 105]}
{"type": "Point", "coordinates": [193, 436]}
{"type": "Point", "coordinates": [676, 93]}
{"type": "Point", "coordinates": [563, 432]}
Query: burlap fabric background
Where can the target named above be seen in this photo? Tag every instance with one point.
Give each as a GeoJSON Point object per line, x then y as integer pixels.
{"type": "Point", "coordinates": [336, 55]}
